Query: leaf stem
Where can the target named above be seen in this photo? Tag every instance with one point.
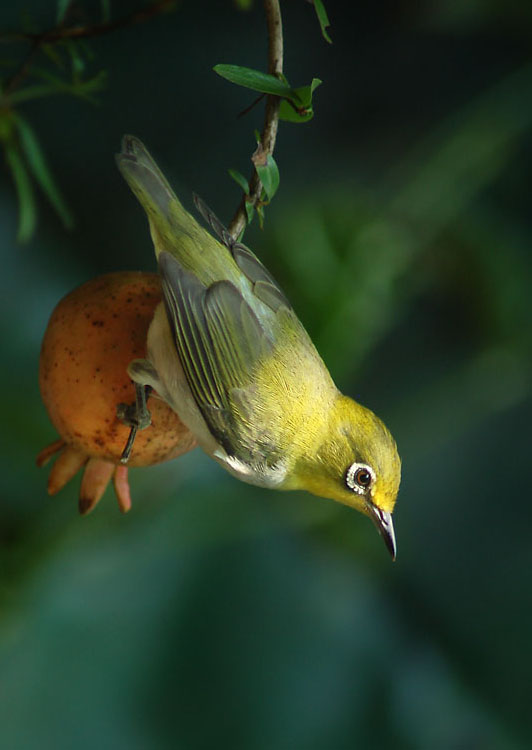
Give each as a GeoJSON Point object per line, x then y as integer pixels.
{"type": "Point", "coordinates": [271, 116]}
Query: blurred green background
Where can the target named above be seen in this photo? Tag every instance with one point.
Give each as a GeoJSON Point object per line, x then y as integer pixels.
{"type": "Point", "coordinates": [219, 615]}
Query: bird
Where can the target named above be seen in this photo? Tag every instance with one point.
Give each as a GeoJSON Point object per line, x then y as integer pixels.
{"type": "Point", "coordinates": [227, 352]}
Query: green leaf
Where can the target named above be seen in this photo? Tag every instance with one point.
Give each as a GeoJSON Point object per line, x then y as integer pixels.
{"type": "Point", "coordinates": [244, 4]}
{"type": "Point", "coordinates": [33, 92]}
{"type": "Point", "coordinates": [87, 49]}
{"type": "Point", "coordinates": [76, 58]}
{"type": "Point", "coordinates": [40, 170]}
{"type": "Point", "coordinates": [62, 7]}
{"type": "Point", "coordinates": [81, 89]}
{"type": "Point", "coordinates": [27, 214]}
{"type": "Point", "coordinates": [260, 214]}
{"type": "Point", "coordinates": [255, 80]}
{"type": "Point", "coordinates": [6, 125]}
{"type": "Point", "coordinates": [239, 178]}
{"type": "Point", "coordinates": [268, 175]}
{"type": "Point", "coordinates": [53, 78]}
{"type": "Point", "coordinates": [250, 211]}
{"type": "Point", "coordinates": [52, 53]}
{"type": "Point", "coordinates": [106, 11]}
{"type": "Point", "coordinates": [303, 112]}
{"type": "Point", "coordinates": [319, 7]}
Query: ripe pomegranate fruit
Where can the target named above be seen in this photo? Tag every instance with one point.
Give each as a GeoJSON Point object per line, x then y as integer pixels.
{"type": "Point", "coordinates": [92, 336]}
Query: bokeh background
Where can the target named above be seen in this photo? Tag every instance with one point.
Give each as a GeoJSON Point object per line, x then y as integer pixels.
{"type": "Point", "coordinates": [219, 615]}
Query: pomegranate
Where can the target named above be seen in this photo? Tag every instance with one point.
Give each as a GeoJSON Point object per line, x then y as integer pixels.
{"type": "Point", "coordinates": [93, 334]}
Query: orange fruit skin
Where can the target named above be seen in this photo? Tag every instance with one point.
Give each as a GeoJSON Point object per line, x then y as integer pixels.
{"type": "Point", "coordinates": [92, 336]}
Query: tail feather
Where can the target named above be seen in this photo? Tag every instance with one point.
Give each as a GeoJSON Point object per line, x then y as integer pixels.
{"type": "Point", "coordinates": [173, 229]}
{"type": "Point", "coordinates": [134, 150]}
{"type": "Point", "coordinates": [146, 179]}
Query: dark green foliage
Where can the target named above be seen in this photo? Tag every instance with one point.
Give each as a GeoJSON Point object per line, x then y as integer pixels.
{"type": "Point", "coordinates": [323, 19]}
{"type": "Point", "coordinates": [219, 615]}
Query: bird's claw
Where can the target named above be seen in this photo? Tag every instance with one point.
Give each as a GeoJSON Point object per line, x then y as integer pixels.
{"type": "Point", "coordinates": [136, 416]}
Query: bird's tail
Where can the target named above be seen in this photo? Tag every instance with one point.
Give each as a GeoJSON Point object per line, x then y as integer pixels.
{"type": "Point", "coordinates": [166, 215]}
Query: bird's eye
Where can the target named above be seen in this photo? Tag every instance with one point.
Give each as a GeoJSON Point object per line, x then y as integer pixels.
{"type": "Point", "coordinates": [359, 478]}
{"type": "Point", "coordinates": [363, 477]}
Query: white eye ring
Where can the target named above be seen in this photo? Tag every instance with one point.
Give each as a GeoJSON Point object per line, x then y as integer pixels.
{"type": "Point", "coordinates": [351, 481]}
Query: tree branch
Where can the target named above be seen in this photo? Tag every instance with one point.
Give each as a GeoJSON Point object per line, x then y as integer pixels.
{"type": "Point", "coordinates": [61, 33]}
{"type": "Point", "coordinates": [271, 117]}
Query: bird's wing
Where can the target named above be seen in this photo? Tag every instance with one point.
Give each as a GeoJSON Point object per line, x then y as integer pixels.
{"type": "Point", "coordinates": [220, 341]}
{"type": "Point", "coordinates": [264, 286]}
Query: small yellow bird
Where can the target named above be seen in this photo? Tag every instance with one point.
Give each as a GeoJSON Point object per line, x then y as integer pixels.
{"type": "Point", "coordinates": [227, 352]}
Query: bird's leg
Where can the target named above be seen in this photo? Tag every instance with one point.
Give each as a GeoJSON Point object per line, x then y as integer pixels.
{"type": "Point", "coordinates": [136, 416]}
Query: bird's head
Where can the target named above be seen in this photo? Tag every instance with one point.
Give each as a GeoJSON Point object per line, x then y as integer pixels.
{"type": "Point", "coordinates": [358, 464]}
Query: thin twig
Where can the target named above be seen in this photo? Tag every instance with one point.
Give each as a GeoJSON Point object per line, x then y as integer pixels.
{"type": "Point", "coordinates": [271, 117]}
{"type": "Point", "coordinates": [61, 33]}
{"type": "Point", "coordinates": [23, 69]}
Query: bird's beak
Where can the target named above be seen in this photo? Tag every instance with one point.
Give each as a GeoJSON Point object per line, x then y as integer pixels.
{"type": "Point", "coordinates": [383, 522]}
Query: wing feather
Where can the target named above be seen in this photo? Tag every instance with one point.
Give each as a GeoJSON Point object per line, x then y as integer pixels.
{"type": "Point", "coordinates": [219, 341]}
{"type": "Point", "coordinates": [183, 296]}
{"type": "Point", "coordinates": [264, 285]}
